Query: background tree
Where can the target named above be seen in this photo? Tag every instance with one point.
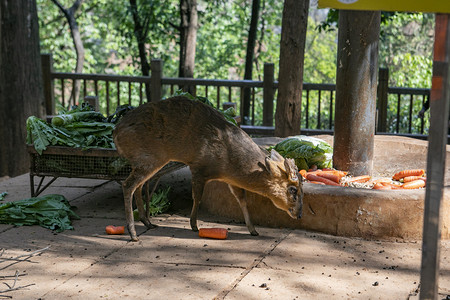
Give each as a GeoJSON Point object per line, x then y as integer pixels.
{"type": "Point", "coordinates": [141, 28]}
{"type": "Point", "coordinates": [290, 80]}
{"type": "Point", "coordinates": [188, 39]}
{"type": "Point", "coordinates": [107, 31]}
{"type": "Point", "coordinates": [21, 93]}
{"type": "Point", "coordinates": [248, 74]}
{"type": "Point", "coordinates": [69, 13]}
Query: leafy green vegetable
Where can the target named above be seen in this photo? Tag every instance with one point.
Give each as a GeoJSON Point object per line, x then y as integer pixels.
{"type": "Point", "coordinates": [306, 151]}
{"type": "Point", "coordinates": [158, 204]}
{"type": "Point", "coordinates": [2, 196]}
{"type": "Point", "coordinates": [229, 113]}
{"type": "Point", "coordinates": [61, 120]}
{"type": "Point", "coordinates": [80, 134]}
{"type": "Point", "coordinates": [49, 211]}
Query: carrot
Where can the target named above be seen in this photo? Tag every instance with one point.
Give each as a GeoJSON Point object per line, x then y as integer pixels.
{"type": "Point", "coordinates": [379, 180]}
{"type": "Point", "coordinates": [317, 182]}
{"type": "Point", "coordinates": [110, 229]}
{"type": "Point", "coordinates": [360, 179]}
{"type": "Point", "coordinates": [314, 177]}
{"type": "Point", "coordinates": [331, 176]}
{"type": "Point", "coordinates": [335, 172]}
{"type": "Point", "coordinates": [411, 178]}
{"type": "Point", "coordinates": [213, 233]}
{"type": "Point", "coordinates": [381, 186]}
{"type": "Point", "coordinates": [406, 173]}
{"type": "Point", "coordinates": [416, 184]}
{"type": "Point", "coordinates": [303, 173]}
{"type": "Point", "coordinates": [392, 185]}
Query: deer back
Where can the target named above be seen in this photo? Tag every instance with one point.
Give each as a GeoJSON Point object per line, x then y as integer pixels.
{"type": "Point", "coordinates": [180, 129]}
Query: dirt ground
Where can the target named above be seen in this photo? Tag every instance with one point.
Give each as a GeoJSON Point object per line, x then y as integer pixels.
{"type": "Point", "coordinates": [172, 262]}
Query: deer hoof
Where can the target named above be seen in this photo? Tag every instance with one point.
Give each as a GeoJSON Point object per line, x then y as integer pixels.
{"type": "Point", "coordinates": [151, 226]}
{"type": "Point", "coordinates": [254, 233]}
{"type": "Point", "coordinates": [148, 224]}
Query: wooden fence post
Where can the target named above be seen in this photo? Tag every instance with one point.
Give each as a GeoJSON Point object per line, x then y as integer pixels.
{"type": "Point", "coordinates": [268, 94]}
{"type": "Point", "coordinates": [47, 69]}
{"type": "Point", "coordinates": [383, 84]}
{"type": "Point", "coordinates": [93, 101]}
{"type": "Point", "coordinates": [156, 67]}
{"type": "Point", "coordinates": [437, 139]}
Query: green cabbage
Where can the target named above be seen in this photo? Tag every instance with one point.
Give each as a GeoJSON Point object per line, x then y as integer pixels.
{"type": "Point", "coordinates": [306, 151]}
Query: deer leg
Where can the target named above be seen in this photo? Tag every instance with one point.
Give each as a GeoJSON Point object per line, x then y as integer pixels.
{"type": "Point", "coordinates": [140, 206]}
{"type": "Point", "coordinates": [240, 195]}
{"type": "Point", "coordinates": [198, 185]}
{"type": "Point", "coordinates": [135, 180]}
{"type": "Point", "coordinates": [128, 188]}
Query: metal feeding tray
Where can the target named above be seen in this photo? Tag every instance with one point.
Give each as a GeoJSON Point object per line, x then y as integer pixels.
{"type": "Point", "coordinates": [95, 163]}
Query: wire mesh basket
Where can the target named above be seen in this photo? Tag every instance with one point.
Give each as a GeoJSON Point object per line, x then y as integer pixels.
{"type": "Point", "coordinates": [95, 163]}
{"type": "Point", "coordinates": [74, 162]}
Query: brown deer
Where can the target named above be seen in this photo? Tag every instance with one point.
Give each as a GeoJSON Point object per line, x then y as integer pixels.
{"type": "Point", "coordinates": [193, 133]}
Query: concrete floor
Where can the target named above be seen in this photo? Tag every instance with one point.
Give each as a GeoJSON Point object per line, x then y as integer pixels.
{"type": "Point", "coordinates": [172, 262]}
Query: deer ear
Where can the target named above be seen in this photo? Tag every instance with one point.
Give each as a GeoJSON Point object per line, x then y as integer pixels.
{"type": "Point", "coordinates": [291, 169]}
{"type": "Point", "coordinates": [275, 163]}
{"type": "Point", "coordinates": [275, 156]}
{"type": "Point", "coordinates": [272, 162]}
{"type": "Point", "coordinates": [269, 165]}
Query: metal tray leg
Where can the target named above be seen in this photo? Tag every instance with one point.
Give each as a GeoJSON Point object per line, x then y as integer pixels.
{"type": "Point", "coordinates": [40, 189]}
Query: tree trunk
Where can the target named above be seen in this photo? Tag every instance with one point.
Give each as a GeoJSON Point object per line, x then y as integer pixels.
{"type": "Point", "coordinates": [356, 91]}
{"type": "Point", "coordinates": [253, 30]}
{"type": "Point", "coordinates": [290, 80]}
{"type": "Point", "coordinates": [188, 40]}
{"type": "Point", "coordinates": [21, 92]}
{"type": "Point", "coordinates": [77, 41]}
{"type": "Point", "coordinates": [141, 34]}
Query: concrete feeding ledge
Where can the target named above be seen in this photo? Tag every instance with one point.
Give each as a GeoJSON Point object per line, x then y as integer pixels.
{"type": "Point", "coordinates": [344, 211]}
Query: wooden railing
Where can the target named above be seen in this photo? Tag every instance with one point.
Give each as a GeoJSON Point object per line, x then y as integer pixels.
{"type": "Point", "coordinates": [397, 108]}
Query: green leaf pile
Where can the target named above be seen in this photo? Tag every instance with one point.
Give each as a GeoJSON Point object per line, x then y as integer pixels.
{"type": "Point", "coordinates": [306, 151]}
{"type": "Point", "coordinates": [81, 128]}
{"type": "Point", "coordinates": [49, 211]}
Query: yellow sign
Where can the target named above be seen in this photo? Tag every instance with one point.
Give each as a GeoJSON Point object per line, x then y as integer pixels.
{"type": "Point", "coordinates": [434, 6]}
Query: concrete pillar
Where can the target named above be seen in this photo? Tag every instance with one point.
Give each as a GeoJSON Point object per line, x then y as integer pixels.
{"type": "Point", "coordinates": [356, 91]}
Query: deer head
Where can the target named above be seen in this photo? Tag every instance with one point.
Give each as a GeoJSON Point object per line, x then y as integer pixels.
{"type": "Point", "coordinates": [286, 188]}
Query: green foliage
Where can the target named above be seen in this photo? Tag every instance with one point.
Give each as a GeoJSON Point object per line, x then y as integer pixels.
{"type": "Point", "coordinates": [406, 48]}
{"type": "Point", "coordinates": [320, 55]}
{"type": "Point", "coordinates": [49, 211]}
{"type": "Point", "coordinates": [3, 195]}
{"type": "Point", "coordinates": [107, 30]}
{"type": "Point", "coordinates": [228, 114]}
{"type": "Point", "coordinates": [159, 203]}
{"type": "Point", "coordinates": [82, 133]}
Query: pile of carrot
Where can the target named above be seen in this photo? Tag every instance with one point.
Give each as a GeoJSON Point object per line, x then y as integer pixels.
{"type": "Point", "coordinates": [412, 179]}
{"type": "Point", "coordinates": [405, 179]}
